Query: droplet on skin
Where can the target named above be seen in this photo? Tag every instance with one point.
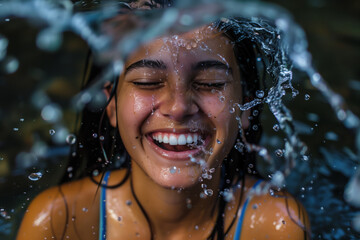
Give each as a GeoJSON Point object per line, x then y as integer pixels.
{"type": "Point", "coordinates": [35, 176]}
{"type": "Point", "coordinates": [276, 127]}
{"type": "Point", "coordinates": [208, 192]}
{"type": "Point", "coordinates": [307, 97]}
{"type": "Point", "coordinates": [128, 202]}
{"type": "Point", "coordinates": [172, 169]}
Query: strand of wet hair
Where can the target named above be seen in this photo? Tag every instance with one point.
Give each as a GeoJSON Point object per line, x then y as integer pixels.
{"type": "Point", "coordinates": [66, 211]}
{"type": "Point", "coordinates": [239, 203]}
{"type": "Point", "coordinates": [303, 227]}
{"type": "Point", "coordinates": [141, 208]}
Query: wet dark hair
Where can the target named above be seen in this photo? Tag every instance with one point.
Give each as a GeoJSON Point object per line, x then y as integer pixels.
{"type": "Point", "coordinates": [99, 147]}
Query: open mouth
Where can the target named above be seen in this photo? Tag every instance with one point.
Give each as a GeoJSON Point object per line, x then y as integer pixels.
{"type": "Point", "coordinates": [178, 142]}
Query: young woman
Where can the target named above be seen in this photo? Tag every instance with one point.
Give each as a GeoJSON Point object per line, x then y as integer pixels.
{"type": "Point", "coordinates": [171, 126]}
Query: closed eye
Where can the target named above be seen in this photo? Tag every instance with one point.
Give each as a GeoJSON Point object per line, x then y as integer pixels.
{"type": "Point", "coordinates": [148, 84]}
{"type": "Point", "coordinates": [209, 86]}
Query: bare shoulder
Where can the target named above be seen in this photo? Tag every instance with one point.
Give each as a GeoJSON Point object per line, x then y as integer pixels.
{"type": "Point", "coordinates": [70, 209]}
{"type": "Point", "coordinates": [279, 216]}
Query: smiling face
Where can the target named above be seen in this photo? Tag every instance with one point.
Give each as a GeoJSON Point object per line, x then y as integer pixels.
{"type": "Point", "coordinates": [174, 101]}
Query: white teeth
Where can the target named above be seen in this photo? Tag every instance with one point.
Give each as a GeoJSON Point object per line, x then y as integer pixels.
{"type": "Point", "coordinates": [176, 139]}
{"type": "Point", "coordinates": [189, 139]}
{"type": "Point", "coordinates": [165, 139]}
{"type": "Point", "coordinates": [181, 140]}
{"type": "Point", "coordinates": [195, 138]}
{"type": "Point", "coordinates": [173, 140]}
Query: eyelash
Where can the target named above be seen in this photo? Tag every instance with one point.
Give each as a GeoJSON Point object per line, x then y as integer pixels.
{"type": "Point", "coordinates": [209, 86]}
{"type": "Point", "coordinates": [148, 85]}
{"type": "Point", "coordinates": [197, 85]}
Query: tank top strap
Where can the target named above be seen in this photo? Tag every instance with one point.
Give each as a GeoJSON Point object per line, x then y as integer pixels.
{"type": "Point", "coordinates": [102, 224]}
{"type": "Point", "coordinates": [237, 234]}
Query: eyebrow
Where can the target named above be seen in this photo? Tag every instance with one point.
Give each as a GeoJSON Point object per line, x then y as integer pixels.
{"type": "Point", "coordinates": [204, 65]}
{"type": "Point", "coordinates": [146, 63]}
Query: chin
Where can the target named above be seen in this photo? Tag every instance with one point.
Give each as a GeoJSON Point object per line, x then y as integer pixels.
{"type": "Point", "coordinates": [182, 178]}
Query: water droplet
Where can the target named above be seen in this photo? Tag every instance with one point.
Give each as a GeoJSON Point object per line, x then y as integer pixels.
{"type": "Point", "coordinates": [84, 209]}
{"type": "Point", "coordinates": [279, 152]}
{"type": "Point", "coordinates": [119, 218]}
{"type": "Point", "coordinates": [255, 113]}
{"type": "Point", "coordinates": [172, 169]}
{"type": "Point", "coordinates": [307, 97]}
{"type": "Point", "coordinates": [222, 98]}
{"type": "Point", "coordinates": [4, 214]}
{"type": "Point", "coordinates": [259, 93]}
{"type": "Point", "coordinates": [218, 141]}
{"type": "Point", "coordinates": [208, 192]}
{"type": "Point", "coordinates": [232, 110]}
{"type": "Point", "coordinates": [239, 146]}
{"type": "Point", "coordinates": [255, 127]}
{"type": "Point", "coordinates": [51, 113]}
{"type": "Point", "coordinates": [255, 206]}
{"type": "Point", "coordinates": [51, 132]}
{"type": "Point", "coordinates": [196, 227]}
{"type": "Point", "coordinates": [101, 138]}
{"type": "Point", "coordinates": [278, 179]}
{"type": "Point", "coordinates": [15, 129]}
{"type": "Point", "coordinates": [283, 222]}
{"type": "Point", "coordinates": [128, 202]}
{"type": "Point", "coordinates": [305, 158]}
{"type": "Point", "coordinates": [95, 173]}
{"type": "Point", "coordinates": [10, 65]}
{"type": "Point", "coordinates": [186, 20]}
{"type": "Point", "coordinates": [49, 40]}
{"type": "Point", "coordinates": [35, 176]}
{"type": "Point", "coordinates": [3, 46]}
{"type": "Point", "coordinates": [95, 135]}
{"type": "Point", "coordinates": [71, 139]}
{"type": "Point", "coordinates": [276, 127]}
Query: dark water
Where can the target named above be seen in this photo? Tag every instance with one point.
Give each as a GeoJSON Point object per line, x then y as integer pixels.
{"type": "Point", "coordinates": [333, 32]}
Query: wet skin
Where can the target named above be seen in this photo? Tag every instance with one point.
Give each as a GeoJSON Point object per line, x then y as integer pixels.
{"type": "Point", "coordinates": [179, 85]}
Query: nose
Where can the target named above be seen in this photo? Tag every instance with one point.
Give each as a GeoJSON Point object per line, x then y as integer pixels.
{"type": "Point", "coordinates": [178, 104]}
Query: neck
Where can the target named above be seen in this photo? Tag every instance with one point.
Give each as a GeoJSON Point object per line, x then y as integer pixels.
{"type": "Point", "coordinates": [175, 213]}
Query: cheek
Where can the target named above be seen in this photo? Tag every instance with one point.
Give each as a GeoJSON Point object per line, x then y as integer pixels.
{"type": "Point", "coordinates": [132, 110]}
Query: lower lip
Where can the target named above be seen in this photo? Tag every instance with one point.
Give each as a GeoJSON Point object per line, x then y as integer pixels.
{"type": "Point", "coordinates": [178, 156]}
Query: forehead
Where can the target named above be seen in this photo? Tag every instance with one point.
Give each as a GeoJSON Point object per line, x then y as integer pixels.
{"type": "Point", "coordinates": [200, 44]}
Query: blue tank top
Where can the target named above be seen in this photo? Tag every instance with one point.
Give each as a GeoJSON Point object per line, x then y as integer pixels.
{"type": "Point", "coordinates": [102, 227]}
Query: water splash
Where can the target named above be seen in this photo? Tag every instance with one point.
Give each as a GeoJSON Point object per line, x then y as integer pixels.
{"type": "Point", "coordinates": [59, 16]}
